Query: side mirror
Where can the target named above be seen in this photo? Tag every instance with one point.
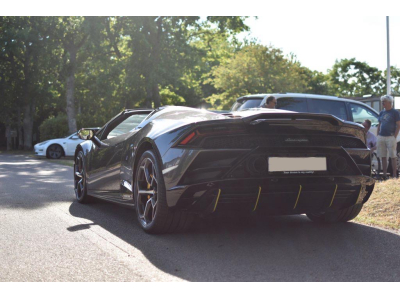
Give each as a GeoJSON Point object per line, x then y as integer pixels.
{"type": "Point", "coordinates": [85, 134]}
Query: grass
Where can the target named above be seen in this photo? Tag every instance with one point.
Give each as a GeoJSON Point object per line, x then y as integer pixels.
{"type": "Point", "coordinates": [383, 208]}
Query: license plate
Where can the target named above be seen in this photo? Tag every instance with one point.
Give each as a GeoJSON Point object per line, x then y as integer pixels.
{"type": "Point", "coordinates": [296, 164]}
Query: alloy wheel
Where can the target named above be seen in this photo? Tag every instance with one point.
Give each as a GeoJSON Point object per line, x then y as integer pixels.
{"type": "Point", "coordinates": [146, 189]}
{"type": "Point", "coordinates": [79, 178]}
{"type": "Point", "coordinates": [55, 151]}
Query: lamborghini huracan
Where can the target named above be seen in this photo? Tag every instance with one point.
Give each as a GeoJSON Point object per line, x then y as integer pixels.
{"type": "Point", "coordinates": [173, 163]}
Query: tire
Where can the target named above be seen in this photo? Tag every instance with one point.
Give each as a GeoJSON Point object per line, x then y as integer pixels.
{"type": "Point", "coordinates": [152, 210]}
{"type": "Point", "coordinates": [342, 215]}
{"type": "Point", "coordinates": [80, 185]}
{"type": "Point", "coordinates": [54, 151]}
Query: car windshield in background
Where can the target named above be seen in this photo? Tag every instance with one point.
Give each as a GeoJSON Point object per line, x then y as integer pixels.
{"type": "Point", "coordinates": [246, 104]}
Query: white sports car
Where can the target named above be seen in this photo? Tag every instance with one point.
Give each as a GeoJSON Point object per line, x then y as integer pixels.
{"type": "Point", "coordinates": [59, 147]}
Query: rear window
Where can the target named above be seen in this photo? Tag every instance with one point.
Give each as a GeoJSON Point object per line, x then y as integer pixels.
{"type": "Point", "coordinates": [293, 104]}
{"type": "Point", "coordinates": [246, 104]}
{"type": "Point", "coordinates": [336, 108]}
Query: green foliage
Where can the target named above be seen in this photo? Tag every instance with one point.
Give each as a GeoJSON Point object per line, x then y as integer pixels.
{"type": "Point", "coordinates": [127, 62]}
{"type": "Point", "coordinates": [395, 81]}
{"type": "Point", "coordinates": [95, 120]}
{"type": "Point", "coordinates": [53, 128]}
{"type": "Point", "coordinates": [259, 69]}
{"type": "Point", "coordinates": [169, 97]}
{"type": "Point", "coordinates": [349, 77]}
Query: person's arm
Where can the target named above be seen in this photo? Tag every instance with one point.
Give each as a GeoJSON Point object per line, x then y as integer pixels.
{"type": "Point", "coordinates": [397, 129]}
{"type": "Point", "coordinates": [373, 148]}
{"type": "Point", "coordinates": [379, 127]}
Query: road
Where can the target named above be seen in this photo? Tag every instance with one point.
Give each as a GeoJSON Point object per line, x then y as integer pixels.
{"type": "Point", "coordinates": [47, 236]}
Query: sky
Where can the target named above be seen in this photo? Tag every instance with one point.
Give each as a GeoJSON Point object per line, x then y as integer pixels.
{"type": "Point", "coordinates": [317, 41]}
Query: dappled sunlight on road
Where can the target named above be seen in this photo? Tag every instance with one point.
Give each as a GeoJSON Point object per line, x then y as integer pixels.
{"type": "Point", "coordinates": [39, 181]}
{"type": "Point", "coordinates": [40, 172]}
{"type": "Point", "coordinates": [28, 162]}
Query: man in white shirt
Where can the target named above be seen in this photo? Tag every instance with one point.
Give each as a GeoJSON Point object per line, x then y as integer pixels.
{"type": "Point", "coordinates": [371, 138]}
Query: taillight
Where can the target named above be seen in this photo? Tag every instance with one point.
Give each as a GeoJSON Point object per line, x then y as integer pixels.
{"type": "Point", "coordinates": [187, 139]}
{"type": "Point", "coordinates": [203, 132]}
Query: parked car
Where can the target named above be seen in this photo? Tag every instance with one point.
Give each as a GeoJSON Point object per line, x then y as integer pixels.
{"type": "Point", "coordinates": [172, 163]}
{"type": "Point", "coordinates": [56, 148]}
{"type": "Point", "coordinates": [345, 109]}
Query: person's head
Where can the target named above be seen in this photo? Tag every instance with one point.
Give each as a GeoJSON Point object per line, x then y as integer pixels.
{"type": "Point", "coordinates": [271, 102]}
{"type": "Point", "coordinates": [367, 125]}
{"type": "Point", "coordinates": [387, 102]}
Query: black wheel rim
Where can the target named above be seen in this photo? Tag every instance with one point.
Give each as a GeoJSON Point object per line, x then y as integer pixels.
{"type": "Point", "coordinates": [55, 151]}
{"type": "Point", "coordinates": [146, 192]}
{"type": "Point", "coordinates": [79, 177]}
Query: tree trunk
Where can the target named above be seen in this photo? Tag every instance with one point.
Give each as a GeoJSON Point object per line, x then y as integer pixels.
{"type": "Point", "coordinates": [149, 97]}
{"type": "Point", "coordinates": [20, 131]}
{"type": "Point", "coordinates": [152, 94]}
{"type": "Point", "coordinates": [156, 96]}
{"type": "Point", "coordinates": [28, 126]}
{"type": "Point", "coordinates": [8, 136]}
{"type": "Point", "coordinates": [70, 92]}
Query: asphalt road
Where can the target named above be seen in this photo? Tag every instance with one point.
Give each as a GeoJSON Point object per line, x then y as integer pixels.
{"type": "Point", "coordinates": [46, 236]}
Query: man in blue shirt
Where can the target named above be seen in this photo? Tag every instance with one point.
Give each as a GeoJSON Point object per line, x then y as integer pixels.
{"type": "Point", "coordinates": [388, 129]}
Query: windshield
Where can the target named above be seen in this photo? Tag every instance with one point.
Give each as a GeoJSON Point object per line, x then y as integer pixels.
{"type": "Point", "coordinates": [246, 104]}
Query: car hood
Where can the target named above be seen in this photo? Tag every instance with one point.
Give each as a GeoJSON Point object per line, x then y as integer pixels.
{"type": "Point", "coordinates": [51, 141]}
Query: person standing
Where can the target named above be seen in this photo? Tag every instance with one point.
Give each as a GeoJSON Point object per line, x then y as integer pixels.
{"type": "Point", "coordinates": [271, 102]}
{"type": "Point", "coordinates": [371, 138]}
{"type": "Point", "coordinates": [388, 129]}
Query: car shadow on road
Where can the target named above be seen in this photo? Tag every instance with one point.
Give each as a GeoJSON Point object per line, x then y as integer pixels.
{"type": "Point", "coordinates": [287, 248]}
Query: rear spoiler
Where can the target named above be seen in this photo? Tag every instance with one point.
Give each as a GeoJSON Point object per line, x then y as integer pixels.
{"type": "Point", "coordinates": [267, 117]}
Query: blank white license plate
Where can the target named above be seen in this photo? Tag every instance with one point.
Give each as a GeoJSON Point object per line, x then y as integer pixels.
{"type": "Point", "coordinates": [296, 164]}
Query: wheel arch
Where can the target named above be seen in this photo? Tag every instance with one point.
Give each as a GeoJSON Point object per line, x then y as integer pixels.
{"type": "Point", "coordinates": [47, 149]}
{"type": "Point", "coordinates": [144, 146]}
{"type": "Point", "coordinates": [78, 148]}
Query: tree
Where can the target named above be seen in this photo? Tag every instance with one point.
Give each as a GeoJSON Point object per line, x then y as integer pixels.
{"type": "Point", "coordinates": [161, 48]}
{"type": "Point", "coordinates": [352, 78]}
{"type": "Point", "coordinates": [259, 69]}
{"type": "Point", "coordinates": [72, 33]}
{"type": "Point", "coordinates": [394, 79]}
{"type": "Point", "coordinates": [25, 51]}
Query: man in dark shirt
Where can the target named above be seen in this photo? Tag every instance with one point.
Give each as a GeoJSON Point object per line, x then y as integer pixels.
{"type": "Point", "coordinates": [388, 129]}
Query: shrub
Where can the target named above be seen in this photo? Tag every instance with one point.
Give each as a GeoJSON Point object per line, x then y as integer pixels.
{"type": "Point", "coordinates": [57, 127]}
{"type": "Point", "coordinates": [87, 120]}
{"type": "Point", "coordinates": [54, 127]}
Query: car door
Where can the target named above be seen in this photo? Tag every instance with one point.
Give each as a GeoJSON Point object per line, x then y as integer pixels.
{"type": "Point", "coordinates": [71, 143]}
{"type": "Point", "coordinates": [105, 164]}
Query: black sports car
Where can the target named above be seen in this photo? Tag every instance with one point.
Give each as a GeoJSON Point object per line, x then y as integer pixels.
{"type": "Point", "coordinates": [175, 162]}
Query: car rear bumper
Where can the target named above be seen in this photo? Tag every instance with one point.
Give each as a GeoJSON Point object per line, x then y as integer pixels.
{"type": "Point", "coordinates": [273, 195]}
